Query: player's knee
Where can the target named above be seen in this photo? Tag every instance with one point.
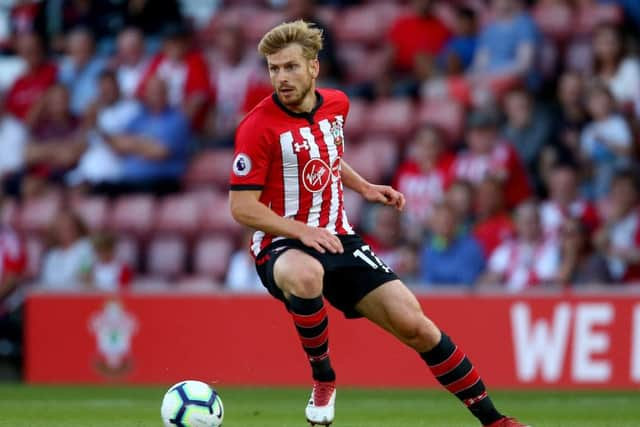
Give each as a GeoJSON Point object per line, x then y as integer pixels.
{"type": "Point", "coordinates": [305, 280]}
{"type": "Point", "coordinates": [418, 332]}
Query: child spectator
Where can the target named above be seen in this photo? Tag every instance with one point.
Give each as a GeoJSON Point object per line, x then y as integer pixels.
{"type": "Point", "coordinates": [108, 274]}
{"type": "Point", "coordinates": [527, 260]}
{"type": "Point", "coordinates": [606, 141]}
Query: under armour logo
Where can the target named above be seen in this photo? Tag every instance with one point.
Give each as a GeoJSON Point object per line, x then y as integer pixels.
{"type": "Point", "coordinates": [299, 147]}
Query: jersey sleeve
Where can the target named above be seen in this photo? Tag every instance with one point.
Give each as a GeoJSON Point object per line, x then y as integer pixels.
{"type": "Point", "coordinates": [251, 159]}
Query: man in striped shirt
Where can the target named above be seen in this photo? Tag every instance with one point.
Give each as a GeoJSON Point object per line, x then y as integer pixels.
{"type": "Point", "coordinates": [287, 183]}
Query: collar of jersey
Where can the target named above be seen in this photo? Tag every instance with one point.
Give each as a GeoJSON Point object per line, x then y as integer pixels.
{"type": "Point", "coordinates": [302, 115]}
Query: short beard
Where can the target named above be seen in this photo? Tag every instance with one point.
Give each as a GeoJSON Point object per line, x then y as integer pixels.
{"type": "Point", "coordinates": [303, 95]}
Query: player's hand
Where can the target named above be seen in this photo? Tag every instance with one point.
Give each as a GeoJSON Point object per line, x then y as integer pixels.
{"type": "Point", "coordinates": [321, 240]}
{"type": "Point", "coordinates": [384, 194]}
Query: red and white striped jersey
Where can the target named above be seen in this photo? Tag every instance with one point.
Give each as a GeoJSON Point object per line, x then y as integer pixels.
{"type": "Point", "coordinates": [295, 159]}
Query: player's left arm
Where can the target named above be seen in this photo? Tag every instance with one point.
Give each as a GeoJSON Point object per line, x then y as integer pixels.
{"type": "Point", "coordinates": [371, 192]}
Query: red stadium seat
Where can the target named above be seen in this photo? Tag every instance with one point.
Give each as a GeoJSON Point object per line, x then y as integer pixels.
{"type": "Point", "coordinates": [261, 22]}
{"type": "Point", "coordinates": [385, 151]}
{"type": "Point", "coordinates": [448, 115]}
{"type": "Point", "coordinates": [128, 250]}
{"type": "Point", "coordinates": [36, 215]}
{"type": "Point", "coordinates": [366, 24]}
{"type": "Point", "coordinates": [167, 256]}
{"type": "Point", "coordinates": [365, 163]}
{"type": "Point", "coordinates": [133, 214]}
{"type": "Point", "coordinates": [198, 284]}
{"type": "Point", "coordinates": [209, 168]}
{"type": "Point", "coordinates": [215, 215]}
{"type": "Point", "coordinates": [353, 204]}
{"type": "Point", "coordinates": [152, 284]}
{"type": "Point", "coordinates": [589, 17]}
{"type": "Point", "coordinates": [178, 214]}
{"type": "Point", "coordinates": [394, 116]}
{"type": "Point", "coordinates": [93, 210]}
{"type": "Point", "coordinates": [356, 119]}
{"type": "Point", "coordinates": [211, 256]}
{"type": "Point", "coordinates": [361, 64]}
{"type": "Point", "coordinates": [554, 19]}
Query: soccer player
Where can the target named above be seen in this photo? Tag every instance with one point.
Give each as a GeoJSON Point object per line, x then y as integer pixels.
{"type": "Point", "coordinates": [287, 182]}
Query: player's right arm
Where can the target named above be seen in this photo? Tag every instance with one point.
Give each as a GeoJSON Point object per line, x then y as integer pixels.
{"type": "Point", "coordinates": [247, 209]}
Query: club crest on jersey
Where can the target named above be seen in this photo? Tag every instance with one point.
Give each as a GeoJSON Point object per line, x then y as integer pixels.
{"type": "Point", "coordinates": [315, 175]}
{"type": "Point", "coordinates": [336, 131]}
{"type": "Point", "coordinates": [241, 165]}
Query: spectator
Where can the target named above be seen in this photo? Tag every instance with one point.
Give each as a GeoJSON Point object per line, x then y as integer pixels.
{"type": "Point", "coordinates": [27, 91]}
{"type": "Point", "coordinates": [153, 148]}
{"type": "Point", "coordinates": [529, 129]}
{"type": "Point", "coordinates": [493, 225]}
{"type": "Point", "coordinates": [565, 202]}
{"type": "Point", "coordinates": [130, 61]}
{"type": "Point", "coordinates": [527, 260]}
{"type": "Point", "coordinates": [186, 73]}
{"type": "Point", "coordinates": [68, 262]}
{"type": "Point", "coordinates": [108, 274]}
{"type": "Point", "coordinates": [460, 196]}
{"type": "Point", "coordinates": [614, 67]}
{"type": "Point", "coordinates": [450, 256]}
{"type": "Point", "coordinates": [331, 70]}
{"type": "Point", "coordinates": [413, 43]}
{"type": "Point", "coordinates": [508, 45]}
{"type": "Point", "coordinates": [80, 69]}
{"type": "Point", "coordinates": [386, 240]}
{"type": "Point", "coordinates": [579, 265]}
{"type": "Point", "coordinates": [14, 138]}
{"type": "Point", "coordinates": [619, 237]}
{"type": "Point", "coordinates": [487, 154]}
{"type": "Point", "coordinates": [458, 53]}
{"type": "Point", "coordinates": [235, 73]}
{"type": "Point", "coordinates": [570, 117]}
{"type": "Point", "coordinates": [423, 176]}
{"type": "Point", "coordinates": [56, 145]}
{"type": "Point", "coordinates": [13, 258]}
{"type": "Point", "coordinates": [109, 115]}
{"type": "Point", "coordinates": [242, 275]}
{"type": "Point", "coordinates": [606, 141]}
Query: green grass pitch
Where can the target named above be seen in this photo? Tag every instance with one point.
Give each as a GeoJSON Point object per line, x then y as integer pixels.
{"type": "Point", "coordinates": [55, 406]}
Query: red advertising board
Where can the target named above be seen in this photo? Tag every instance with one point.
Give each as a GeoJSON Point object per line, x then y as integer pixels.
{"type": "Point", "coordinates": [562, 341]}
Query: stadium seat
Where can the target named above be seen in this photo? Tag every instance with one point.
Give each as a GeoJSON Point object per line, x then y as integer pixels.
{"type": "Point", "coordinates": [178, 214]}
{"type": "Point", "coordinates": [356, 119]}
{"type": "Point", "coordinates": [364, 162]}
{"type": "Point", "coordinates": [37, 214]}
{"type": "Point", "coordinates": [150, 284]}
{"type": "Point", "coordinates": [128, 250]}
{"type": "Point", "coordinates": [198, 284]}
{"type": "Point", "coordinates": [361, 64]}
{"type": "Point", "coordinates": [353, 204]}
{"type": "Point", "coordinates": [215, 215]}
{"type": "Point", "coordinates": [393, 116]}
{"type": "Point", "coordinates": [209, 168]}
{"type": "Point", "coordinates": [133, 214]}
{"type": "Point", "coordinates": [366, 24]}
{"type": "Point", "coordinates": [260, 23]}
{"type": "Point", "coordinates": [384, 150]}
{"type": "Point", "coordinates": [554, 19]}
{"type": "Point", "coordinates": [589, 17]}
{"type": "Point", "coordinates": [211, 256]}
{"type": "Point", "coordinates": [167, 256]}
{"type": "Point", "coordinates": [447, 115]}
{"type": "Point", "coordinates": [93, 210]}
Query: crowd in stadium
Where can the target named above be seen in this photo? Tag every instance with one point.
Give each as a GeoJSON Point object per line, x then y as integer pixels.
{"type": "Point", "coordinates": [510, 126]}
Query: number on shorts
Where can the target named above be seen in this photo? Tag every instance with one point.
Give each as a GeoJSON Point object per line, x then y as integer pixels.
{"type": "Point", "coordinates": [371, 259]}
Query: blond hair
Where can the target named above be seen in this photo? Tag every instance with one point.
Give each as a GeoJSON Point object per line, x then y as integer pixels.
{"type": "Point", "coordinates": [306, 34]}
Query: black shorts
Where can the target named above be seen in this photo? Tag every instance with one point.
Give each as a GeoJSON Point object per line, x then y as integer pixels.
{"type": "Point", "coordinates": [348, 276]}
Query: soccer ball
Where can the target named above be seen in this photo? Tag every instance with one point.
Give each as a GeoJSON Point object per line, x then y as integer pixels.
{"type": "Point", "coordinates": [192, 404]}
